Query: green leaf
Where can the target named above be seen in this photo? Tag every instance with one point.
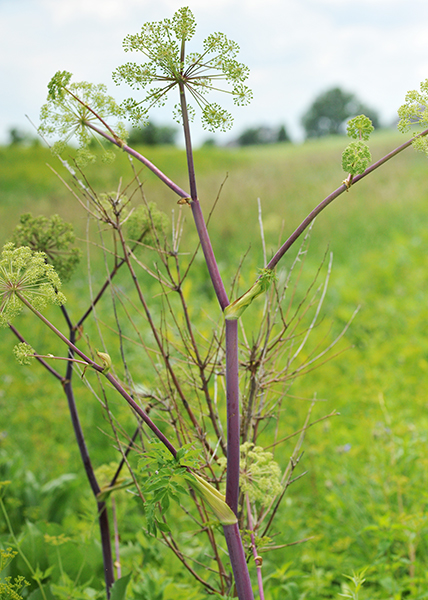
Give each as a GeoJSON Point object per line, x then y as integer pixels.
{"type": "Point", "coordinates": [118, 589]}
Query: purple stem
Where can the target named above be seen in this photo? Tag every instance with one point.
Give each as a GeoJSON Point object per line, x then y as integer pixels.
{"type": "Point", "coordinates": [231, 532]}
{"type": "Point", "coordinates": [233, 416]}
{"type": "Point", "coordinates": [238, 562]}
{"type": "Point", "coordinates": [145, 417]}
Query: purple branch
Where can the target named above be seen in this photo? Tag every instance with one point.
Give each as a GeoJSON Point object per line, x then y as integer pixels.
{"type": "Point", "coordinates": [173, 186]}
{"type": "Point", "coordinates": [343, 188]}
{"type": "Point", "coordinates": [145, 417]}
{"type": "Point", "coordinates": [209, 255]}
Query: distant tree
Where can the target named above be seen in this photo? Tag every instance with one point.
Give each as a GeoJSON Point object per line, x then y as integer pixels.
{"type": "Point", "coordinates": [263, 135]}
{"type": "Point", "coordinates": [17, 137]}
{"type": "Point", "coordinates": [283, 135]}
{"type": "Point", "coordinates": [330, 110]}
{"type": "Point", "coordinates": [153, 135]}
{"type": "Point", "coordinates": [209, 142]}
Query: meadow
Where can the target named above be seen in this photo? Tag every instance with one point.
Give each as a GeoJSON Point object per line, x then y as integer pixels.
{"type": "Point", "coordinates": [360, 506]}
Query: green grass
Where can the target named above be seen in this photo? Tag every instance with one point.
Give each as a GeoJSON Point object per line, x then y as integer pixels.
{"type": "Point", "coordinates": [364, 497]}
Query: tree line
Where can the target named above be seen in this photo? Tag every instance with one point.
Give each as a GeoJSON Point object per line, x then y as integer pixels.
{"type": "Point", "coordinates": [327, 115]}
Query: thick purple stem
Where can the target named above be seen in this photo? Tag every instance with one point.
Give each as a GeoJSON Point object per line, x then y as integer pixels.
{"type": "Point", "coordinates": [238, 562]}
{"type": "Point", "coordinates": [233, 416]}
{"type": "Point", "coordinates": [233, 538]}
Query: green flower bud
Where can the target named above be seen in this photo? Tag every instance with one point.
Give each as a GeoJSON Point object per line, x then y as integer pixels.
{"type": "Point", "coordinates": [105, 360]}
{"type": "Point", "coordinates": [213, 498]}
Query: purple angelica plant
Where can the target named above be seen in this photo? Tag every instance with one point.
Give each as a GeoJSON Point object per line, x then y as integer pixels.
{"type": "Point", "coordinates": [168, 68]}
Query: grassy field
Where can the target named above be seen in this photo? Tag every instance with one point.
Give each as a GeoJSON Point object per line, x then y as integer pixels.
{"type": "Point", "coordinates": [363, 500]}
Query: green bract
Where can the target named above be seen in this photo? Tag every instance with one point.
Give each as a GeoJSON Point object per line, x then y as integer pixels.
{"type": "Point", "coordinates": [236, 308]}
{"type": "Point", "coordinates": [52, 236]}
{"type": "Point", "coordinates": [26, 274]}
{"type": "Point", "coordinates": [167, 67]}
{"type": "Point", "coordinates": [213, 498]}
{"type": "Point", "coordinates": [355, 158]}
{"type": "Point", "coordinates": [415, 113]}
{"type": "Point", "coordinates": [69, 109]}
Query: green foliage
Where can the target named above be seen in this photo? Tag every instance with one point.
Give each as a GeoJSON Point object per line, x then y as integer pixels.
{"type": "Point", "coordinates": [167, 66]}
{"type": "Point", "coordinates": [25, 275]}
{"type": "Point", "coordinates": [330, 110]}
{"type": "Point", "coordinates": [118, 589]}
{"type": "Point", "coordinates": [54, 237]}
{"type": "Point", "coordinates": [263, 135]}
{"type": "Point", "coordinates": [162, 481]}
{"type": "Point", "coordinates": [351, 590]}
{"type": "Point", "coordinates": [152, 135]}
{"type": "Point", "coordinates": [415, 113]}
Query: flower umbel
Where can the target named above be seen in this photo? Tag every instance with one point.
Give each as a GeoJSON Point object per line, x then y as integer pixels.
{"type": "Point", "coordinates": [355, 158]}
{"type": "Point", "coordinates": [52, 236]}
{"type": "Point", "coordinates": [167, 67]}
{"type": "Point", "coordinates": [261, 475]}
{"type": "Point", "coordinates": [359, 128]}
{"type": "Point", "coordinates": [415, 113]}
{"type": "Point", "coordinates": [23, 353]}
{"type": "Point", "coordinates": [71, 106]}
{"type": "Point", "coordinates": [26, 276]}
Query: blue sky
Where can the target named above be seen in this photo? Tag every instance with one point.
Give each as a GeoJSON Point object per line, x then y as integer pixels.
{"type": "Point", "coordinates": [295, 49]}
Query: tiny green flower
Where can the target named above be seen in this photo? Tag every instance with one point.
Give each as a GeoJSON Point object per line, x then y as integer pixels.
{"type": "Point", "coordinates": [236, 308]}
{"type": "Point", "coordinates": [69, 109]}
{"type": "Point", "coordinates": [105, 360]}
{"type": "Point", "coordinates": [414, 113]}
{"type": "Point", "coordinates": [167, 67]}
{"type": "Point", "coordinates": [24, 353]}
{"type": "Point", "coordinates": [25, 274]}
{"type": "Point", "coordinates": [355, 158]}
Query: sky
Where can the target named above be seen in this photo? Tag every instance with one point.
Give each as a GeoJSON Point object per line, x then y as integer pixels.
{"type": "Point", "coordinates": [295, 49]}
